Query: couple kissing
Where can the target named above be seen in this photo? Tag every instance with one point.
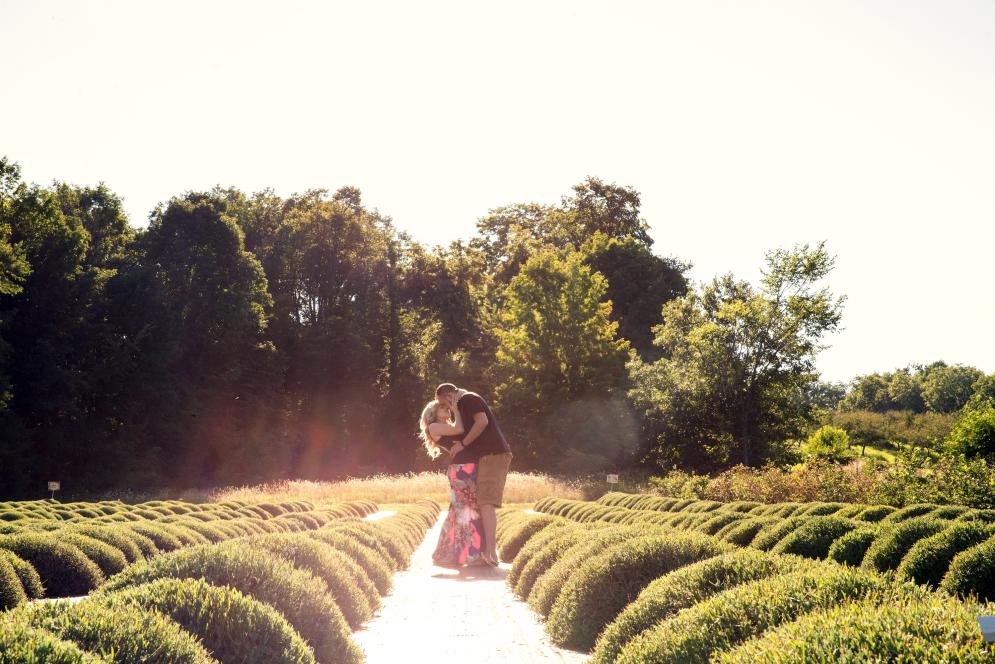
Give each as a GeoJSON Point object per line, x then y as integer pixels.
{"type": "Point", "coordinates": [460, 424]}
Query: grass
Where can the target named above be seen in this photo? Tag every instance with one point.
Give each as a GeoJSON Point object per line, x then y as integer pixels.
{"type": "Point", "coordinates": [878, 454]}
{"type": "Point", "coordinates": [521, 488]}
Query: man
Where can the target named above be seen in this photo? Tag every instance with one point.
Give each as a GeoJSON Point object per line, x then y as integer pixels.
{"type": "Point", "coordinates": [484, 436]}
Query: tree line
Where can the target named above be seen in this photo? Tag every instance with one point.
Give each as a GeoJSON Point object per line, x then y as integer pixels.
{"type": "Point", "coordinates": [242, 337]}
{"type": "Point", "coordinates": [937, 387]}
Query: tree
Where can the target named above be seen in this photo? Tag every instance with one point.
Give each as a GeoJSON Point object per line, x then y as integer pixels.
{"type": "Point", "coordinates": [194, 303]}
{"type": "Point", "coordinates": [330, 279]}
{"type": "Point", "coordinates": [509, 235]}
{"type": "Point", "coordinates": [983, 392]}
{"type": "Point", "coordinates": [64, 362]}
{"type": "Point", "coordinates": [869, 392]}
{"type": "Point", "coordinates": [829, 443]}
{"type": "Point", "coordinates": [557, 349]}
{"type": "Point", "coordinates": [947, 389]}
{"type": "Point", "coordinates": [14, 266]}
{"type": "Point", "coordinates": [905, 391]}
{"type": "Point", "coordinates": [974, 433]}
{"type": "Point", "coordinates": [736, 362]}
{"type": "Point", "coordinates": [639, 284]}
{"type": "Point", "coordinates": [610, 209]}
{"type": "Point", "coordinates": [825, 395]}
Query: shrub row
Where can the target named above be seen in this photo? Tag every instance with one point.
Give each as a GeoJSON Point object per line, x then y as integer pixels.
{"type": "Point", "coordinates": [71, 559]}
{"type": "Point", "coordinates": [269, 597]}
{"type": "Point", "coordinates": [39, 516]}
{"type": "Point", "coordinates": [635, 587]}
{"type": "Point", "coordinates": [869, 513]}
{"type": "Point", "coordinates": [920, 542]}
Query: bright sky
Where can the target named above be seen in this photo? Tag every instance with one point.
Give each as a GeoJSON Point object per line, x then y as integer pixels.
{"type": "Point", "coordinates": [745, 126]}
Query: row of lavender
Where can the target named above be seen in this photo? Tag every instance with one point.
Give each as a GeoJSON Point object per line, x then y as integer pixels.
{"type": "Point", "coordinates": [648, 585]}
{"type": "Point", "coordinates": [282, 589]}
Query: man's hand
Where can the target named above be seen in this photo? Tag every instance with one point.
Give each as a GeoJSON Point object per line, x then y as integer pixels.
{"type": "Point", "coordinates": [458, 443]}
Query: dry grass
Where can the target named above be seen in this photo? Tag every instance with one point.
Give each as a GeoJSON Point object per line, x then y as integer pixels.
{"type": "Point", "coordinates": [382, 489]}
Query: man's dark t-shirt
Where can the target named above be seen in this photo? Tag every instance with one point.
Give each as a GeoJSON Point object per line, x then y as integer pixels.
{"type": "Point", "coordinates": [466, 455]}
{"type": "Point", "coordinates": [492, 440]}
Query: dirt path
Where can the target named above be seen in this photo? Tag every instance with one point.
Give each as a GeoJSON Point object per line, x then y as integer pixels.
{"type": "Point", "coordinates": [440, 615]}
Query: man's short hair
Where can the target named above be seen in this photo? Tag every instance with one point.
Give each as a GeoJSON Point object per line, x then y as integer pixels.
{"type": "Point", "coordinates": [445, 388]}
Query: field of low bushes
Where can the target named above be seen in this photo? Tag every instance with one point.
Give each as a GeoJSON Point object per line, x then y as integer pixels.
{"type": "Point", "coordinates": [168, 581]}
{"type": "Point", "coordinates": [639, 578]}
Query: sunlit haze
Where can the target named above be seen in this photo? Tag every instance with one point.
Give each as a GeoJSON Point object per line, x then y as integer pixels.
{"type": "Point", "coordinates": [744, 125]}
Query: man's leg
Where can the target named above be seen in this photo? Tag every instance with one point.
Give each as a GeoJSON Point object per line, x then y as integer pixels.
{"type": "Point", "coordinates": [491, 476]}
{"type": "Point", "coordinates": [488, 515]}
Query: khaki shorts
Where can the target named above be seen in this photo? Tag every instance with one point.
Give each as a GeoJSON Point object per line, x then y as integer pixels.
{"type": "Point", "coordinates": [492, 472]}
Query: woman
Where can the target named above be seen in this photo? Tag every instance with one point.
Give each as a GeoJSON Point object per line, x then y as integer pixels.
{"type": "Point", "coordinates": [461, 540]}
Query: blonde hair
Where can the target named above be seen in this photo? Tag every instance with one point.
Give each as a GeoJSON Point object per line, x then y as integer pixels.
{"type": "Point", "coordinates": [428, 415]}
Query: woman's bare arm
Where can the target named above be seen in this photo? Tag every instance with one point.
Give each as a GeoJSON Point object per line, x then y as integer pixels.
{"type": "Point", "coordinates": [458, 426]}
{"type": "Point", "coordinates": [437, 430]}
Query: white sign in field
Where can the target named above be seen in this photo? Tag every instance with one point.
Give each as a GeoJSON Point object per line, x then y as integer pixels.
{"type": "Point", "coordinates": [987, 624]}
{"type": "Point", "coordinates": [54, 486]}
{"type": "Point", "coordinates": [613, 478]}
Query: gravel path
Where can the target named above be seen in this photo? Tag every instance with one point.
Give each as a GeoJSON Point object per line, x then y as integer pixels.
{"type": "Point", "coordinates": [438, 614]}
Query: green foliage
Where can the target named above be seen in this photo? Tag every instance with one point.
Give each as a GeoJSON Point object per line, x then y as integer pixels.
{"type": "Point", "coordinates": [972, 572]}
{"type": "Point", "coordinates": [893, 542]}
{"type": "Point", "coordinates": [639, 284]}
{"type": "Point", "coordinates": [734, 616]}
{"type": "Point", "coordinates": [890, 428]}
{"type": "Point", "coordinates": [603, 585]}
{"type": "Point", "coordinates": [974, 433]}
{"type": "Point", "coordinates": [875, 513]}
{"type": "Point", "coordinates": [325, 563]}
{"type": "Point", "coordinates": [682, 589]}
{"type": "Point", "coordinates": [65, 571]}
{"type": "Point", "coordinates": [680, 484]}
{"type": "Point", "coordinates": [162, 538]}
{"type": "Point", "coordinates": [11, 590]}
{"type": "Point", "coordinates": [776, 531]}
{"type": "Point", "coordinates": [720, 521]}
{"type": "Point", "coordinates": [26, 574]}
{"type": "Point", "coordinates": [927, 629]}
{"type": "Point", "coordinates": [548, 585]}
{"type": "Point", "coordinates": [984, 393]}
{"type": "Point", "coordinates": [733, 339]}
{"type": "Point", "coordinates": [558, 362]}
{"type": "Point", "coordinates": [232, 625]}
{"type": "Point", "coordinates": [117, 537]}
{"type": "Point", "coordinates": [22, 644]}
{"type": "Point", "coordinates": [515, 538]}
{"type": "Point", "coordinates": [742, 533]}
{"type": "Point", "coordinates": [938, 388]}
{"type": "Point", "coordinates": [814, 537]}
{"type": "Point", "coordinates": [377, 536]}
{"type": "Point", "coordinates": [533, 547]}
{"type": "Point", "coordinates": [540, 554]}
{"type": "Point", "coordinates": [929, 559]}
{"type": "Point", "coordinates": [302, 598]}
{"type": "Point", "coordinates": [851, 547]}
{"type": "Point", "coordinates": [372, 563]}
{"type": "Point", "coordinates": [123, 634]}
{"type": "Point", "coordinates": [829, 443]}
{"type": "Point", "coordinates": [109, 559]}
{"type": "Point", "coordinates": [948, 388]}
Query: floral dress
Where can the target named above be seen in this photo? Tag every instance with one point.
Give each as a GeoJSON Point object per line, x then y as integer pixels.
{"type": "Point", "coordinates": [462, 538]}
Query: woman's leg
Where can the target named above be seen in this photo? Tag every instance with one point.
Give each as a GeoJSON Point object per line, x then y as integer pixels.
{"type": "Point", "coordinates": [447, 549]}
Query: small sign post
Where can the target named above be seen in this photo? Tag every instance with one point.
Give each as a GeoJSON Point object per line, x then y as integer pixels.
{"type": "Point", "coordinates": [612, 478]}
{"type": "Point", "coordinates": [987, 624]}
{"type": "Point", "coordinates": [53, 487]}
